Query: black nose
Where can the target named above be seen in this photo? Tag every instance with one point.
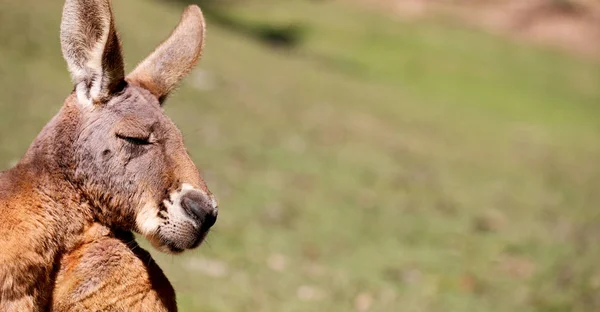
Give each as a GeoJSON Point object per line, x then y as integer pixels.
{"type": "Point", "coordinates": [197, 206]}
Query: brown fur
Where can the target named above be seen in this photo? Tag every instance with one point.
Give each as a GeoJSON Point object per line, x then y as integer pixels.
{"type": "Point", "coordinates": [108, 271]}
{"type": "Point", "coordinates": [169, 59]}
{"type": "Point", "coordinates": [109, 156]}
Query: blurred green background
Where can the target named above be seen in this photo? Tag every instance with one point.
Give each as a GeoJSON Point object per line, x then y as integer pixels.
{"type": "Point", "coordinates": [363, 160]}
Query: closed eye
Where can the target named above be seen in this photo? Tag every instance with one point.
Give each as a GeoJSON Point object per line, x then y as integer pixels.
{"type": "Point", "coordinates": [134, 140]}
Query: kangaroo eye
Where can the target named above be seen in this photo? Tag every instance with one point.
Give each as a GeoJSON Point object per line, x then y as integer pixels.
{"type": "Point", "coordinates": [135, 140]}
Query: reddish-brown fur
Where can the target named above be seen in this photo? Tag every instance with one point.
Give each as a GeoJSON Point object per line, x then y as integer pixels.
{"type": "Point", "coordinates": [108, 271]}
{"type": "Point", "coordinates": [110, 157]}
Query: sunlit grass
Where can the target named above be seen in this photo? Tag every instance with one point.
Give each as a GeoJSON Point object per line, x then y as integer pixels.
{"type": "Point", "coordinates": [380, 164]}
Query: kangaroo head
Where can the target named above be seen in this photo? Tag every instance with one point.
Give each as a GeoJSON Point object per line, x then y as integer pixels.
{"type": "Point", "coordinates": [127, 158]}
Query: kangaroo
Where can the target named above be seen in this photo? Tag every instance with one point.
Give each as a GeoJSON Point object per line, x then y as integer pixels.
{"type": "Point", "coordinates": [110, 155]}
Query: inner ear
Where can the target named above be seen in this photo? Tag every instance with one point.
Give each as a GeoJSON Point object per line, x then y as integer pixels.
{"type": "Point", "coordinates": [91, 47]}
{"type": "Point", "coordinates": [162, 70]}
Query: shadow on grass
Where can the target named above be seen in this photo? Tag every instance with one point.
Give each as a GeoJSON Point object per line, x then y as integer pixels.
{"type": "Point", "coordinates": [279, 36]}
{"type": "Point", "coordinates": [286, 37]}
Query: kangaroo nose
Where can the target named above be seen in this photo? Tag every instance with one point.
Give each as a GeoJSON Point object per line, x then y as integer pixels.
{"type": "Point", "coordinates": [197, 206]}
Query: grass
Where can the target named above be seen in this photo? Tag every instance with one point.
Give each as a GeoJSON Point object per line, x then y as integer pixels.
{"type": "Point", "coordinates": [379, 165]}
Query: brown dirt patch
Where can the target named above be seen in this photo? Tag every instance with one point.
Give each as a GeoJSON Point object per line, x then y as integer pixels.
{"type": "Point", "coordinates": [570, 25]}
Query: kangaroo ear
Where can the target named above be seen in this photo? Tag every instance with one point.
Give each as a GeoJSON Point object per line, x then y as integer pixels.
{"type": "Point", "coordinates": [174, 58]}
{"type": "Point", "coordinates": [91, 47]}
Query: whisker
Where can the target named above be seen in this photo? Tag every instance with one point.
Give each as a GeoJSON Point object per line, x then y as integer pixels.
{"type": "Point", "coordinates": [135, 247]}
{"type": "Point", "coordinates": [207, 243]}
{"type": "Point", "coordinates": [149, 259]}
